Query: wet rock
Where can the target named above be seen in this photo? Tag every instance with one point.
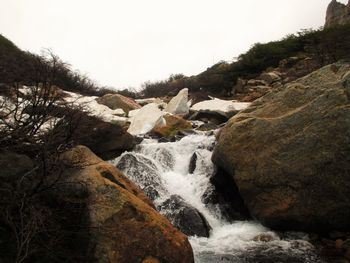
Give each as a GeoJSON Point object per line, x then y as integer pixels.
{"type": "Point", "coordinates": [225, 195]}
{"type": "Point", "coordinates": [193, 160]}
{"type": "Point", "coordinates": [289, 154]}
{"type": "Point", "coordinates": [264, 238]}
{"type": "Point", "coordinates": [143, 172]}
{"type": "Point", "coordinates": [185, 217]}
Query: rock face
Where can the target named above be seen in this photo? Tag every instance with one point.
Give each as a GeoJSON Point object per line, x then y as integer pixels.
{"type": "Point", "coordinates": [146, 119]}
{"type": "Point", "coordinates": [185, 217]}
{"type": "Point", "coordinates": [289, 153]}
{"type": "Point", "coordinates": [123, 226]}
{"type": "Point", "coordinates": [117, 101]}
{"type": "Point", "coordinates": [337, 14]}
{"type": "Point", "coordinates": [179, 104]}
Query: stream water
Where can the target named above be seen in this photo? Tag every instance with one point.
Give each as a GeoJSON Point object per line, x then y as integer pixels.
{"type": "Point", "coordinates": [162, 170]}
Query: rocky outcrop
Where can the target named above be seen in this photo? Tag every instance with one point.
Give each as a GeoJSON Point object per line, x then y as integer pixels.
{"type": "Point", "coordinates": [337, 14]}
{"type": "Point", "coordinates": [179, 104]}
{"type": "Point", "coordinates": [117, 101]}
{"type": "Point", "coordinates": [289, 153]}
{"type": "Point", "coordinates": [146, 119]}
{"type": "Point", "coordinates": [288, 70]}
{"type": "Point", "coordinates": [123, 226]}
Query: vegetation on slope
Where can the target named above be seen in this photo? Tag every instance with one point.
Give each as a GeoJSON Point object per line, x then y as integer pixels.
{"type": "Point", "coordinates": [324, 45]}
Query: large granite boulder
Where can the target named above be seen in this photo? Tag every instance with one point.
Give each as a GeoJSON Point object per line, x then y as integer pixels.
{"type": "Point", "coordinates": [117, 101]}
{"type": "Point", "coordinates": [337, 14]}
{"type": "Point", "coordinates": [179, 104]}
{"type": "Point", "coordinates": [122, 224]}
{"type": "Point", "coordinates": [289, 153]}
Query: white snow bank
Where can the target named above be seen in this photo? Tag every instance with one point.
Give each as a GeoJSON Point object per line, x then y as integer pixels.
{"type": "Point", "coordinates": [90, 104]}
{"type": "Point", "coordinates": [226, 108]}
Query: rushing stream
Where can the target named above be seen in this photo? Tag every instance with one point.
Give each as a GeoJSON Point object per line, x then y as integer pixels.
{"type": "Point", "coordinates": [162, 171]}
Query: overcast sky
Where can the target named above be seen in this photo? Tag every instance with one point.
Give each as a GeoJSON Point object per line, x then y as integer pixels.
{"type": "Point", "coordinates": [123, 43]}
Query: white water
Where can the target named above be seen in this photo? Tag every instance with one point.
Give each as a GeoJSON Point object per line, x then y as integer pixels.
{"type": "Point", "coordinates": [171, 163]}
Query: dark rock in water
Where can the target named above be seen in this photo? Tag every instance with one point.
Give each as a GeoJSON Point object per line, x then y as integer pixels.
{"type": "Point", "coordinates": [165, 158]}
{"type": "Point", "coordinates": [289, 153]}
{"type": "Point", "coordinates": [185, 217]}
{"type": "Point", "coordinates": [143, 172]}
{"type": "Point", "coordinates": [193, 161]}
{"type": "Point", "coordinates": [212, 117]}
{"type": "Point", "coordinates": [207, 127]}
{"type": "Point", "coordinates": [225, 195]}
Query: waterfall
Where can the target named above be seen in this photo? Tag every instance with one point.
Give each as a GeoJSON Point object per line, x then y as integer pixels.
{"type": "Point", "coordinates": [162, 170]}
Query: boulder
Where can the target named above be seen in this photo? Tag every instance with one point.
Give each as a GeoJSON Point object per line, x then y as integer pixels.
{"type": "Point", "coordinates": [117, 101]}
{"type": "Point", "coordinates": [270, 77]}
{"type": "Point", "coordinates": [179, 104]}
{"type": "Point", "coordinates": [143, 172]}
{"type": "Point", "coordinates": [146, 119]}
{"type": "Point", "coordinates": [105, 139]}
{"type": "Point", "coordinates": [226, 108]}
{"type": "Point", "coordinates": [185, 217]}
{"type": "Point", "coordinates": [173, 125]}
{"type": "Point", "coordinates": [337, 14]}
{"type": "Point", "coordinates": [289, 153]}
{"type": "Point", "coordinates": [122, 224]}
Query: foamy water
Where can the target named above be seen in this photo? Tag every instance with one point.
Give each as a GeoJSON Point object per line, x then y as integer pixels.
{"type": "Point", "coordinates": [228, 242]}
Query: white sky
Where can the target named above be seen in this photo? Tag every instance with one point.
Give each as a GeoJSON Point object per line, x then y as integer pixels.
{"type": "Point", "coordinates": [122, 43]}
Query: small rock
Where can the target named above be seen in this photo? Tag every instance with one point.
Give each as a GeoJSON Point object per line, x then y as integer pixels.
{"type": "Point", "coordinates": [264, 238]}
{"type": "Point", "coordinates": [339, 244]}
